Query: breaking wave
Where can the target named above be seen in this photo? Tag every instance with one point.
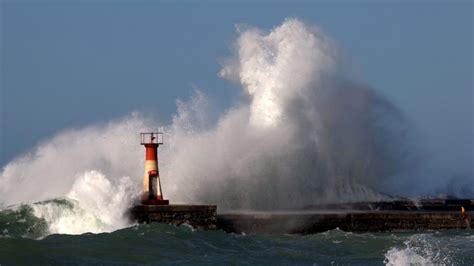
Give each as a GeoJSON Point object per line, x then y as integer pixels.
{"type": "Point", "coordinates": [88, 207]}
{"type": "Point", "coordinates": [307, 132]}
{"type": "Point", "coordinates": [57, 216]}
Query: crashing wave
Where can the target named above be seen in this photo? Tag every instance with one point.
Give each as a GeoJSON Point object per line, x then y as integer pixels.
{"type": "Point", "coordinates": [307, 132]}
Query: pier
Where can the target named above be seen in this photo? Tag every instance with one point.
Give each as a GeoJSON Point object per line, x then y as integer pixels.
{"type": "Point", "coordinates": [354, 221]}
{"type": "Point", "coordinates": [393, 216]}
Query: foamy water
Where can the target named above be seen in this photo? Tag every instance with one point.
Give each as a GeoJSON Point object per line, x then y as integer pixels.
{"type": "Point", "coordinates": [90, 206]}
{"type": "Point", "coordinates": [421, 249]}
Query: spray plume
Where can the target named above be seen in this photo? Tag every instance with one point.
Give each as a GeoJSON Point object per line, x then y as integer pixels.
{"type": "Point", "coordinates": [306, 134]}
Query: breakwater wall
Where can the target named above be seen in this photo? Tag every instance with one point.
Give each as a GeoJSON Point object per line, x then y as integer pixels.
{"type": "Point", "coordinates": [397, 215]}
{"type": "Point", "coordinates": [359, 221]}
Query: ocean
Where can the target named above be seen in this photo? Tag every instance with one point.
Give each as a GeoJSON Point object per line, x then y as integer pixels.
{"type": "Point", "coordinates": [26, 239]}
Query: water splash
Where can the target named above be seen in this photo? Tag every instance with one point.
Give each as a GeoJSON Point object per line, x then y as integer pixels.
{"type": "Point", "coordinates": [306, 133]}
{"type": "Point", "coordinates": [93, 205]}
{"type": "Point", "coordinates": [91, 168]}
{"type": "Point", "coordinates": [422, 249]}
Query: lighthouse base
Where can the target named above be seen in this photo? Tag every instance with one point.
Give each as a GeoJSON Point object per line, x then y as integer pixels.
{"type": "Point", "coordinates": [198, 216]}
{"type": "Point", "coordinates": [155, 202]}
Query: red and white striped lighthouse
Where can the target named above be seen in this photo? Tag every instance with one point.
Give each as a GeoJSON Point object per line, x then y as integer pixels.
{"type": "Point", "coordinates": [152, 194]}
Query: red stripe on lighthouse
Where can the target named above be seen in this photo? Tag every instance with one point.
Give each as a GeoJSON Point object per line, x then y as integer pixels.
{"type": "Point", "coordinates": [151, 152]}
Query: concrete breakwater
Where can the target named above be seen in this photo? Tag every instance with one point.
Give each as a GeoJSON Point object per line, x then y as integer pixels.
{"type": "Point", "coordinates": [401, 215]}
{"type": "Point", "coordinates": [359, 221]}
{"type": "Point", "coordinates": [400, 205]}
{"type": "Point", "coordinates": [198, 216]}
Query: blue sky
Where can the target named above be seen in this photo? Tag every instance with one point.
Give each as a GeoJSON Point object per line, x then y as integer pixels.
{"type": "Point", "coordinates": [74, 63]}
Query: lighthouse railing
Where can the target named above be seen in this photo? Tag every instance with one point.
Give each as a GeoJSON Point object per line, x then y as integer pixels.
{"type": "Point", "coordinates": [151, 138]}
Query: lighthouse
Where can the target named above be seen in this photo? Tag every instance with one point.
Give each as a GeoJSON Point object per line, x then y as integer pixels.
{"type": "Point", "coordinates": [152, 194]}
{"type": "Point", "coordinates": [154, 208]}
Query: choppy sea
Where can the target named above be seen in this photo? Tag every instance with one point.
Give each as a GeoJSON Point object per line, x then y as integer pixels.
{"type": "Point", "coordinates": [26, 239]}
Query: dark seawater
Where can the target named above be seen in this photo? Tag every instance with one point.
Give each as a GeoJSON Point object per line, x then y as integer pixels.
{"type": "Point", "coordinates": [167, 244]}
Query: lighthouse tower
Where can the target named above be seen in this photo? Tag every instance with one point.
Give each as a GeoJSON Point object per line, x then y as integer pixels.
{"type": "Point", "coordinates": [152, 194]}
